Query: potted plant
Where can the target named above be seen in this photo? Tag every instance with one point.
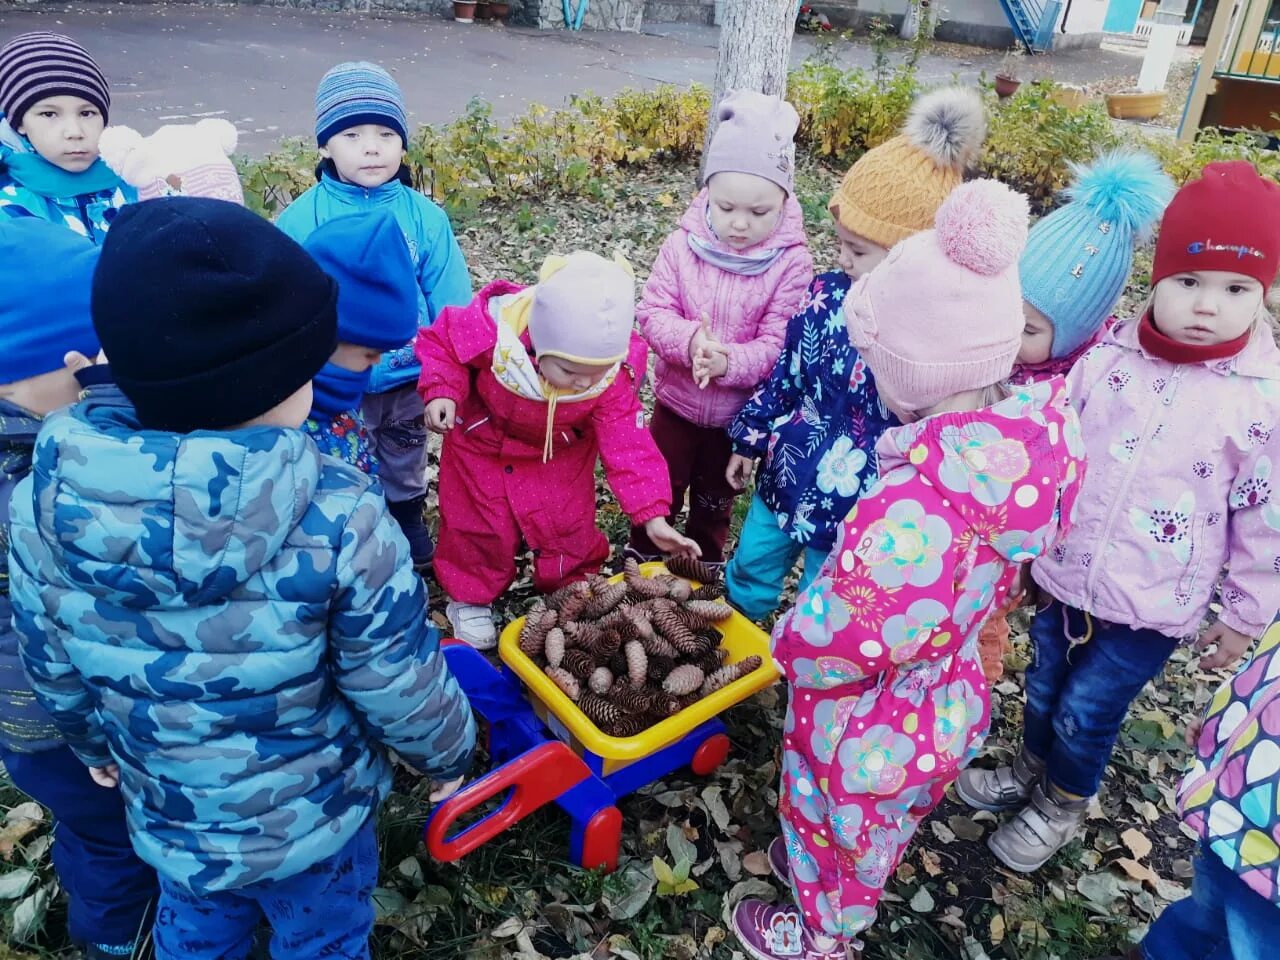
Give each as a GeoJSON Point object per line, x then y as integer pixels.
{"type": "Point", "coordinates": [464, 11]}
{"type": "Point", "coordinates": [1135, 104]}
{"type": "Point", "coordinates": [484, 10]}
{"type": "Point", "coordinates": [1008, 77]}
{"type": "Point", "coordinates": [499, 9]}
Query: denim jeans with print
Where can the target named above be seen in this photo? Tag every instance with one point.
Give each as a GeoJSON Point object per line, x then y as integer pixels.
{"type": "Point", "coordinates": [1084, 675]}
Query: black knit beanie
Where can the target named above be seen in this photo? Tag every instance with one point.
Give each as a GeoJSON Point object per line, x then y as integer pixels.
{"type": "Point", "coordinates": [209, 315]}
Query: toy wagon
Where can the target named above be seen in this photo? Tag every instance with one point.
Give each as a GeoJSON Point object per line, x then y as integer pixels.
{"type": "Point", "coordinates": [544, 748]}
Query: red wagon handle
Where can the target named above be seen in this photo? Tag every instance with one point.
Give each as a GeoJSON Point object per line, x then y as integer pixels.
{"type": "Point", "coordinates": [536, 777]}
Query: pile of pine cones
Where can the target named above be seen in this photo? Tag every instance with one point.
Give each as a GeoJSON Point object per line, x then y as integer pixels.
{"type": "Point", "coordinates": [635, 652]}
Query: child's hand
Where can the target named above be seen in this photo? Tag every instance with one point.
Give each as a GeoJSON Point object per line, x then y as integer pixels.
{"type": "Point", "coordinates": [710, 363]}
{"type": "Point", "coordinates": [701, 337]}
{"type": "Point", "coordinates": [108, 776]}
{"type": "Point", "coordinates": [1193, 732]}
{"type": "Point", "coordinates": [441, 413]}
{"type": "Point", "coordinates": [443, 791]}
{"type": "Point", "coordinates": [1232, 645]}
{"type": "Point", "coordinates": [739, 471]}
{"type": "Point", "coordinates": [75, 361]}
{"type": "Point", "coordinates": [668, 540]}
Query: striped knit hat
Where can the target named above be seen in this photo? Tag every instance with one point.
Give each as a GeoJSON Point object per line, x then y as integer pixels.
{"type": "Point", "coordinates": [354, 93]}
{"type": "Point", "coordinates": [38, 65]}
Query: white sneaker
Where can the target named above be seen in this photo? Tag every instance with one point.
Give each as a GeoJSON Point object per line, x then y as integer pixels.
{"type": "Point", "coordinates": [472, 624]}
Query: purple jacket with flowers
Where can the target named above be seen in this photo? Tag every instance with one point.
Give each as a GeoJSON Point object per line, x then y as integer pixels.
{"type": "Point", "coordinates": [1180, 486]}
{"type": "Point", "coordinates": [747, 314]}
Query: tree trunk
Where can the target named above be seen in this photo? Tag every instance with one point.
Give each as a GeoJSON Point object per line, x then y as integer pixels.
{"type": "Point", "coordinates": [755, 50]}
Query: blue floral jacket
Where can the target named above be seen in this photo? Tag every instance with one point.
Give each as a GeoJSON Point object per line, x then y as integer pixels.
{"type": "Point", "coordinates": [815, 421]}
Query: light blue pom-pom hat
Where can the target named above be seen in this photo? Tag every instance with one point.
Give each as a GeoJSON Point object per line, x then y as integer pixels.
{"type": "Point", "coordinates": [1078, 258]}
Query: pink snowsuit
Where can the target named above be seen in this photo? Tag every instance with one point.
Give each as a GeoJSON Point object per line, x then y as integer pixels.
{"type": "Point", "coordinates": [495, 489]}
{"type": "Point", "coordinates": [749, 315]}
{"type": "Point", "coordinates": [888, 701]}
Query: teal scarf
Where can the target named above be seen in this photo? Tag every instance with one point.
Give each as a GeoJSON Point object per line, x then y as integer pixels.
{"type": "Point", "coordinates": [44, 179]}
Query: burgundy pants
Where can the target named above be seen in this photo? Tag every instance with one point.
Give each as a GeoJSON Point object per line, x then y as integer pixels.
{"type": "Point", "coordinates": [697, 458]}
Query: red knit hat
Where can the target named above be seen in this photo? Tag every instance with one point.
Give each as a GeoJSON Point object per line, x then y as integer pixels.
{"type": "Point", "coordinates": [1227, 220]}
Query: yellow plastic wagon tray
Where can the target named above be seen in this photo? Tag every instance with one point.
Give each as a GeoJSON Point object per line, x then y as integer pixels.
{"type": "Point", "coordinates": [739, 636]}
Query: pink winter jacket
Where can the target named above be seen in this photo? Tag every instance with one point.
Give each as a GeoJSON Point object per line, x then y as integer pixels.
{"type": "Point", "coordinates": [1180, 486]}
{"type": "Point", "coordinates": [748, 314]}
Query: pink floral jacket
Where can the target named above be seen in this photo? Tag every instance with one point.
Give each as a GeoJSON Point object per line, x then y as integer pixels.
{"type": "Point", "coordinates": [748, 314]}
{"type": "Point", "coordinates": [881, 651]}
{"type": "Point", "coordinates": [1180, 486]}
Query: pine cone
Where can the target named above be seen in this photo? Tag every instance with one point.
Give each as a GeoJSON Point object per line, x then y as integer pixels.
{"type": "Point", "coordinates": [659, 668]}
{"type": "Point", "coordinates": [579, 663]}
{"type": "Point", "coordinates": [727, 674]}
{"type": "Point", "coordinates": [582, 634]}
{"type": "Point", "coordinates": [599, 710]}
{"type": "Point", "coordinates": [565, 681]}
{"type": "Point", "coordinates": [556, 599]}
{"type": "Point", "coordinates": [618, 663]}
{"type": "Point", "coordinates": [601, 680]}
{"type": "Point", "coordinates": [616, 617]}
{"type": "Point", "coordinates": [604, 601]}
{"type": "Point", "coordinates": [606, 645]}
{"type": "Point", "coordinates": [668, 706]}
{"type": "Point", "coordinates": [707, 612]}
{"type": "Point", "coordinates": [708, 591]}
{"type": "Point", "coordinates": [533, 634]}
{"type": "Point", "coordinates": [637, 663]}
{"type": "Point", "coordinates": [683, 680]}
{"type": "Point", "coordinates": [675, 588]}
{"type": "Point", "coordinates": [670, 625]}
{"type": "Point", "coordinates": [657, 646]}
{"type": "Point", "coordinates": [637, 700]}
{"type": "Point", "coordinates": [638, 585]}
{"type": "Point", "coordinates": [573, 606]}
{"type": "Point", "coordinates": [628, 725]}
{"type": "Point", "coordinates": [692, 569]}
{"type": "Point", "coordinates": [709, 662]}
{"type": "Point", "coordinates": [554, 646]}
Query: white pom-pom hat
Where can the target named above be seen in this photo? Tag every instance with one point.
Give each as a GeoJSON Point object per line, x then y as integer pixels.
{"type": "Point", "coordinates": [943, 313]}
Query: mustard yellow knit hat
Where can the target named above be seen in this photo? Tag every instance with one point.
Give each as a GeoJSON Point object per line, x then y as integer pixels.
{"type": "Point", "coordinates": [894, 190]}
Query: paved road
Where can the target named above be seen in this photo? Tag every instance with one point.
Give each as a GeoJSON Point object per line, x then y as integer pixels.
{"type": "Point", "coordinates": [258, 66]}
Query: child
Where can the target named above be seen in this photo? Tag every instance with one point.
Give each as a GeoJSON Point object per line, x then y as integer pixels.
{"type": "Point", "coordinates": [817, 418]}
{"type": "Point", "coordinates": [530, 386]}
{"type": "Point", "coordinates": [109, 890]}
{"type": "Point", "coordinates": [219, 619]}
{"type": "Point", "coordinates": [1228, 799]}
{"type": "Point", "coordinates": [887, 696]}
{"type": "Point", "coordinates": [1180, 411]}
{"type": "Point", "coordinates": [1073, 272]}
{"type": "Point", "coordinates": [716, 306]}
{"type": "Point", "coordinates": [1078, 259]}
{"type": "Point", "coordinates": [54, 101]}
{"type": "Point", "coordinates": [377, 311]}
{"type": "Point", "coordinates": [363, 133]}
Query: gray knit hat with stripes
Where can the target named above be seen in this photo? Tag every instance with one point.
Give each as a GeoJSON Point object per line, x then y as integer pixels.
{"type": "Point", "coordinates": [38, 65]}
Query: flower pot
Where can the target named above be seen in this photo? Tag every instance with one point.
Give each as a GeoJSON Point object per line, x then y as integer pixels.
{"type": "Point", "coordinates": [1006, 86]}
{"type": "Point", "coordinates": [499, 11]}
{"type": "Point", "coordinates": [1135, 106]}
{"type": "Point", "coordinates": [1071, 97]}
{"type": "Point", "coordinates": [484, 10]}
{"type": "Point", "coordinates": [464, 11]}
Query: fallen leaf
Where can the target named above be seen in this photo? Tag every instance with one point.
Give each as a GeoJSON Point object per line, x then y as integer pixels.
{"type": "Point", "coordinates": [507, 928]}
{"type": "Point", "coordinates": [15, 883]}
{"type": "Point", "coordinates": [28, 916]}
{"type": "Point", "coordinates": [964, 828]}
{"type": "Point", "coordinates": [1138, 871]}
{"type": "Point", "coordinates": [639, 884]}
{"type": "Point", "coordinates": [931, 862]}
{"type": "Point", "coordinates": [739, 892]}
{"type": "Point", "coordinates": [1137, 842]}
{"type": "Point", "coordinates": [1182, 869]}
{"type": "Point", "coordinates": [997, 929]}
{"type": "Point", "coordinates": [757, 863]}
{"type": "Point", "coordinates": [1102, 888]}
{"type": "Point", "coordinates": [942, 831]}
{"type": "Point", "coordinates": [923, 901]}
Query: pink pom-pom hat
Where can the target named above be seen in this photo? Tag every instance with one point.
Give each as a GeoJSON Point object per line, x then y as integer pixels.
{"type": "Point", "coordinates": [943, 313]}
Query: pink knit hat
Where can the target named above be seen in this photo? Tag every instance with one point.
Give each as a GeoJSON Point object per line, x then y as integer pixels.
{"type": "Point", "coordinates": [943, 313]}
{"type": "Point", "coordinates": [755, 136]}
{"type": "Point", "coordinates": [584, 308]}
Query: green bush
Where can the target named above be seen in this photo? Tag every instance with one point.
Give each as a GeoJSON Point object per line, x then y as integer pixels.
{"type": "Point", "coordinates": [1184, 161]}
{"type": "Point", "coordinates": [844, 113]}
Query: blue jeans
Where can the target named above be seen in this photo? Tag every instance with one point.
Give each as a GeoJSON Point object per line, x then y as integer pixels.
{"type": "Point", "coordinates": [1077, 697]}
{"type": "Point", "coordinates": [761, 562]}
{"type": "Point", "coordinates": [1223, 919]}
{"type": "Point", "coordinates": [325, 911]}
{"type": "Point", "coordinates": [109, 890]}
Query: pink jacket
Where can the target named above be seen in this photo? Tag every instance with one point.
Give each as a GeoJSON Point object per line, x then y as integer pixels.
{"type": "Point", "coordinates": [882, 649]}
{"type": "Point", "coordinates": [748, 314]}
{"type": "Point", "coordinates": [1180, 486]}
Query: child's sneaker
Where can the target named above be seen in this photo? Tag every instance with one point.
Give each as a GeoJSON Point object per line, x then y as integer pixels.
{"type": "Point", "coordinates": [1001, 789]}
{"type": "Point", "coordinates": [778, 860]}
{"type": "Point", "coordinates": [108, 951]}
{"type": "Point", "coordinates": [1044, 827]}
{"type": "Point", "coordinates": [768, 931]}
{"type": "Point", "coordinates": [473, 624]}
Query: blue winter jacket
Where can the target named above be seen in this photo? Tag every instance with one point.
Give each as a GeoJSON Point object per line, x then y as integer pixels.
{"type": "Point", "coordinates": [442, 270]}
{"type": "Point", "coordinates": [815, 421]}
{"type": "Point", "coordinates": [234, 619]}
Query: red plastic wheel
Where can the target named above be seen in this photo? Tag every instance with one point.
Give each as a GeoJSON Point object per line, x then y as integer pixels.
{"type": "Point", "coordinates": [602, 839]}
{"type": "Point", "coordinates": [712, 752]}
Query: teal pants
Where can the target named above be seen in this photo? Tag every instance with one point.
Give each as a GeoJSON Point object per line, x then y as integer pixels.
{"type": "Point", "coordinates": [760, 565]}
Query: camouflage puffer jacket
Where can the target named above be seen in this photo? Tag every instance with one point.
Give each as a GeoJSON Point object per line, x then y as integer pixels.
{"type": "Point", "coordinates": [235, 621]}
